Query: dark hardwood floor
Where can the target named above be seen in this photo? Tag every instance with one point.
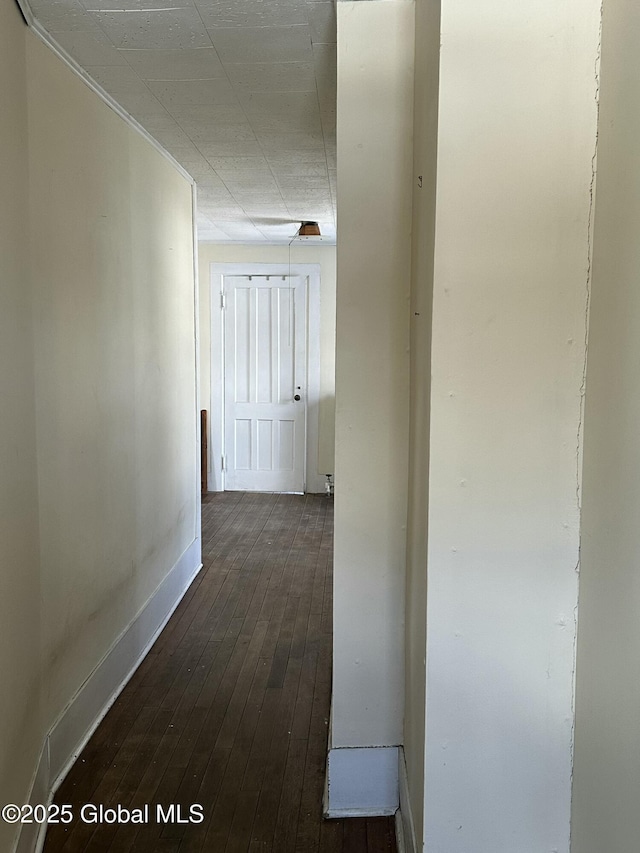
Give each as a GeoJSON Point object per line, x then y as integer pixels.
{"type": "Point", "coordinates": [230, 708]}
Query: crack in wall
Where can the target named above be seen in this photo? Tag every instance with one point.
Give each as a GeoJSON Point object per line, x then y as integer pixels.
{"type": "Point", "coordinates": [583, 385]}
{"type": "Point", "coordinates": [592, 188]}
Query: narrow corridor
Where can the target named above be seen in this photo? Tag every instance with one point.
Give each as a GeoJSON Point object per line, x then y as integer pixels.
{"type": "Point", "coordinates": [229, 711]}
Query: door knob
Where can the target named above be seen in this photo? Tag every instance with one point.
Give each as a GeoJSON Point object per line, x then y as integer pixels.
{"type": "Point", "coordinates": [296, 396]}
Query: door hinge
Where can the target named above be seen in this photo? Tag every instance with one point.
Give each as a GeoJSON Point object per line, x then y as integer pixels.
{"type": "Point", "coordinates": [223, 463]}
{"type": "Point", "coordinates": [223, 303]}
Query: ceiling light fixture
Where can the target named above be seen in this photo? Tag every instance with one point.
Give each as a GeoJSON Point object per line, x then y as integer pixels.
{"type": "Point", "coordinates": [309, 229]}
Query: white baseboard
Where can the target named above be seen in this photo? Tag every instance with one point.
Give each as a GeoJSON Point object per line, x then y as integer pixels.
{"type": "Point", "coordinates": [70, 733]}
{"type": "Point", "coordinates": [362, 782]}
{"type": "Point", "coordinates": [405, 829]}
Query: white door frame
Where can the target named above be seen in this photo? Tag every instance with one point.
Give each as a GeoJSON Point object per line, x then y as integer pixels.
{"type": "Point", "coordinates": [314, 482]}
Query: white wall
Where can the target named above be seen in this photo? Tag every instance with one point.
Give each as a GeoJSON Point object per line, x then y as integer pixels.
{"type": "Point", "coordinates": [607, 750]}
{"type": "Point", "coordinates": [112, 257]}
{"type": "Point", "coordinates": [517, 129]}
{"type": "Point", "coordinates": [423, 236]}
{"type": "Point", "coordinates": [325, 256]}
{"type": "Point", "coordinates": [21, 726]}
{"type": "Point", "coordinates": [375, 94]}
{"type": "Point", "coordinates": [99, 390]}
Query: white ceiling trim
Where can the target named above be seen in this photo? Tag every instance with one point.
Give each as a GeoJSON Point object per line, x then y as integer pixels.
{"type": "Point", "coordinates": [77, 69]}
{"type": "Point", "coordinates": [242, 106]}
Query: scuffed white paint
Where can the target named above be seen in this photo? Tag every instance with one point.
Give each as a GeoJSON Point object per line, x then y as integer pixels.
{"type": "Point", "coordinates": [583, 385]}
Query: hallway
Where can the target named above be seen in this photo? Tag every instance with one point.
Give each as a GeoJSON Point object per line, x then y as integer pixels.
{"type": "Point", "coordinates": [230, 708]}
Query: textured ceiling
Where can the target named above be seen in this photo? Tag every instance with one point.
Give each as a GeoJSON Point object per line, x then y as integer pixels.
{"type": "Point", "coordinates": [241, 92]}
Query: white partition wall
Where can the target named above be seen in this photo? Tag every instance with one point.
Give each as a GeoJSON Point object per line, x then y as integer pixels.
{"type": "Point", "coordinates": [112, 263]}
{"type": "Point", "coordinates": [21, 717]}
{"type": "Point", "coordinates": [607, 766]}
{"type": "Point", "coordinates": [375, 99]}
{"type": "Point", "coordinates": [425, 127]}
{"type": "Point", "coordinates": [483, 634]}
{"type": "Point", "coordinates": [99, 492]}
{"type": "Point", "coordinates": [517, 134]}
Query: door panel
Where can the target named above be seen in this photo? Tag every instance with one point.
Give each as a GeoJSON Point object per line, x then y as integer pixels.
{"type": "Point", "coordinates": [265, 368]}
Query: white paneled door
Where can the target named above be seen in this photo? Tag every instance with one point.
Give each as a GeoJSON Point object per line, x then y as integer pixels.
{"type": "Point", "coordinates": [264, 385]}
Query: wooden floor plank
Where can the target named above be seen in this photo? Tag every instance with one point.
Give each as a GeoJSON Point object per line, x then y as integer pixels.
{"type": "Point", "coordinates": [354, 838]}
{"type": "Point", "coordinates": [230, 708]}
{"type": "Point", "coordinates": [332, 836]}
{"type": "Point", "coordinates": [380, 838]}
